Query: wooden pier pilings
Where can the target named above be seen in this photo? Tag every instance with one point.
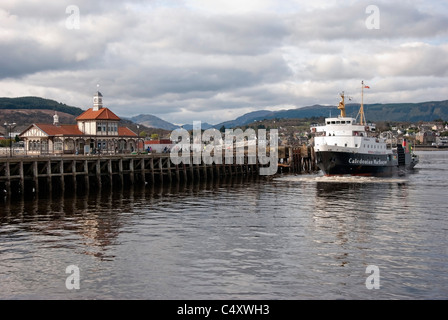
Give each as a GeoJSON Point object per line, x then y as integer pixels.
{"type": "Point", "coordinates": [74, 171]}
{"type": "Point", "coordinates": [35, 173]}
{"type": "Point", "coordinates": [297, 160]}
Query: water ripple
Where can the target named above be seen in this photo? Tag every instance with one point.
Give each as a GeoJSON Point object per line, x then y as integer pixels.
{"type": "Point", "coordinates": [293, 237]}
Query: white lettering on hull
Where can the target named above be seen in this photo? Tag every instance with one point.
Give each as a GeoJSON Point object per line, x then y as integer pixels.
{"type": "Point", "coordinates": [375, 162]}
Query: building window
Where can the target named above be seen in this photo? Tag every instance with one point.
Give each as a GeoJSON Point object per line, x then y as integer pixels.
{"type": "Point", "coordinates": [58, 146]}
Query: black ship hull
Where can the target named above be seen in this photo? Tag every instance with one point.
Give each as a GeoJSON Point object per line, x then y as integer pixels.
{"type": "Point", "coordinates": [359, 164]}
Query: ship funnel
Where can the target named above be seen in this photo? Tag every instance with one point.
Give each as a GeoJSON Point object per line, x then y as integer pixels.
{"type": "Point", "coordinates": [342, 104]}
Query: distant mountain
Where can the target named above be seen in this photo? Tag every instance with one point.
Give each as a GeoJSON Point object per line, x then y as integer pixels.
{"type": "Point", "coordinates": [27, 110]}
{"type": "Point", "coordinates": [153, 122]}
{"type": "Point", "coordinates": [411, 112]}
{"type": "Point", "coordinates": [204, 126]}
{"type": "Point", "coordinates": [38, 103]}
{"type": "Point", "coordinates": [400, 112]}
{"type": "Point", "coordinates": [246, 119]}
{"type": "Point", "coordinates": [25, 117]}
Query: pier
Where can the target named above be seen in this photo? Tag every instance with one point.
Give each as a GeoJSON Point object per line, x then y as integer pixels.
{"type": "Point", "coordinates": [297, 160]}
{"type": "Point", "coordinates": [44, 173]}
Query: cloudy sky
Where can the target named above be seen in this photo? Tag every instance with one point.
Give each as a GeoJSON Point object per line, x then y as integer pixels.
{"type": "Point", "coordinates": [214, 60]}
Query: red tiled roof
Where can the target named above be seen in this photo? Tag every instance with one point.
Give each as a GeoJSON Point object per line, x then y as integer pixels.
{"type": "Point", "coordinates": [101, 114]}
{"type": "Point", "coordinates": [73, 130]}
{"type": "Point", "coordinates": [125, 131]}
{"type": "Point", "coordinates": [64, 129]}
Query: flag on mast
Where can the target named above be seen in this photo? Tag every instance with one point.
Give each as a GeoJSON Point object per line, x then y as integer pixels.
{"type": "Point", "coordinates": [367, 87]}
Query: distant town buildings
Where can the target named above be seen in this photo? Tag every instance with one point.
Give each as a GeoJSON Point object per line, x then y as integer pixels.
{"type": "Point", "coordinates": [97, 131]}
{"type": "Point", "coordinates": [426, 137]}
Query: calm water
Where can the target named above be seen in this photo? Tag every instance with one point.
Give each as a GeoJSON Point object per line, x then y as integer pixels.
{"type": "Point", "coordinates": [294, 237]}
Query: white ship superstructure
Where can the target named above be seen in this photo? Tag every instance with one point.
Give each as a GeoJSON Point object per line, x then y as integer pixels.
{"type": "Point", "coordinates": [344, 145]}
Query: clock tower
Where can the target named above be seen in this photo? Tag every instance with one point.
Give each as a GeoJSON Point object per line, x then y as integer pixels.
{"type": "Point", "coordinates": [97, 101]}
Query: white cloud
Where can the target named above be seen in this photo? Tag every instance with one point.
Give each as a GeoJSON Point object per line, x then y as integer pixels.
{"type": "Point", "coordinates": [214, 60]}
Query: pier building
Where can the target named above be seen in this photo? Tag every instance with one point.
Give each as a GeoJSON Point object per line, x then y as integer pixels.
{"type": "Point", "coordinates": [96, 130]}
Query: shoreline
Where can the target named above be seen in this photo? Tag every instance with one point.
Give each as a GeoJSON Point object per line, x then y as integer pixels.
{"type": "Point", "coordinates": [430, 149]}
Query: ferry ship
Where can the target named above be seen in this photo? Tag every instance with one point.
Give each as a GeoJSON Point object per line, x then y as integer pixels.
{"type": "Point", "coordinates": [346, 146]}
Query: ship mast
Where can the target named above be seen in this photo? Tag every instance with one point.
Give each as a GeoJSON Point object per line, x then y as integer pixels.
{"type": "Point", "coordinates": [362, 120]}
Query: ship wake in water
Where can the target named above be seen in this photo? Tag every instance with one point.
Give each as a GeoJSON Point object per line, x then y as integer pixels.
{"type": "Point", "coordinates": [340, 179]}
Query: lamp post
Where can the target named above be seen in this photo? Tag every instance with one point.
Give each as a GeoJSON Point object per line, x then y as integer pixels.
{"type": "Point", "coordinates": [10, 127]}
{"type": "Point", "coordinates": [138, 139]}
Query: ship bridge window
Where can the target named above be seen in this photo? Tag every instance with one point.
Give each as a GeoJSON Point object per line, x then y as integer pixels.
{"type": "Point", "coordinates": [342, 122]}
{"type": "Point", "coordinates": [338, 122]}
{"type": "Point", "coordinates": [328, 122]}
{"type": "Point", "coordinates": [348, 122]}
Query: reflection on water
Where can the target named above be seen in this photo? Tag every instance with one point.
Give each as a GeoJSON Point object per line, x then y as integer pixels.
{"type": "Point", "coordinates": [95, 217]}
{"type": "Point", "coordinates": [292, 237]}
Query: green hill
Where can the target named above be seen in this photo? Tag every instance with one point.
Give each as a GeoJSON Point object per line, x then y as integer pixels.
{"type": "Point", "coordinates": [27, 110]}
{"type": "Point", "coordinates": [399, 112]}
{"type": "Point", "coordinates": [38, 103]}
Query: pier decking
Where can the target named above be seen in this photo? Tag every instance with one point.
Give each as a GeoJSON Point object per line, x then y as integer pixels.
{"type": "Point", "coordinates": [44, 173]}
